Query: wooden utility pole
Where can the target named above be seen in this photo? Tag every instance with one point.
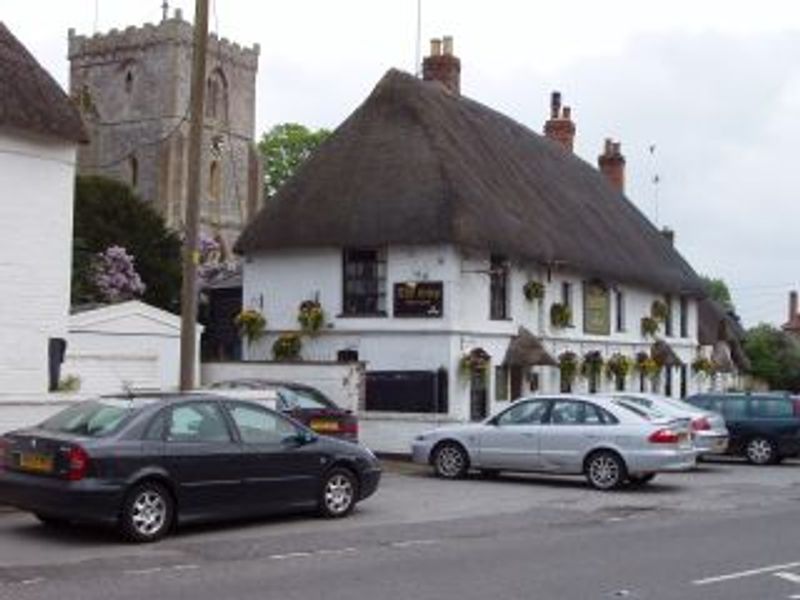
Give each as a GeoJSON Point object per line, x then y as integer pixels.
{"type": "Point", "coordinates": [190, 250]}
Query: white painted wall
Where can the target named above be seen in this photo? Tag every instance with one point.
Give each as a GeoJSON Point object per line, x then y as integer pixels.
{"type": "Point", "coordinates": [37, 179]}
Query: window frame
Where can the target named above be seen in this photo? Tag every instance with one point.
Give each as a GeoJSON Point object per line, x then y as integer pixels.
{"type": "Point", "coordinates": [620, 321]}
{"type": "Point", "coordinates": [230, 405]}
{"type": "Point", "coordinates": [380, 266]}
{"type": "Point", "coordinates": [170, 410]}
{"type": "Point", "coordinates": [499, 298]}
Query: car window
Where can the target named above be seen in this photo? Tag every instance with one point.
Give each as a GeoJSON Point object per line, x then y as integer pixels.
{"type": "Point", "coordinates": [772, 408]}
{"type": "Point", "coordinates": [733, 408]}
{"type": "Point", "coordinates": [567, 412]}
{"type": "Point", "coordinates": [157, 428]}
{"type": "Point", "coordinates": [294, 399]}
{"type": "Point", "coordinates": [595, 415]}
{"type": "Point", "coordinates": [260, 426]}
{"type": "Point", "coordinates": [95, 418]}
{"type": "Point", "coordinates": [524, 413]}
{"type": "Point", "coordinates": [197, 422]}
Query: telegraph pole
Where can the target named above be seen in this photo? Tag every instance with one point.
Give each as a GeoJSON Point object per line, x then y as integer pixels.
{"type": "Point", "coordinates": [190, 251]}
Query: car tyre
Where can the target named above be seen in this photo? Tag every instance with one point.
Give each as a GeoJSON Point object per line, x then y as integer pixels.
{"type": "Point", "coordinates": [761, 451]}
{"type": "Point", "coordinates": [147, 513]}
{"type": "Point", "coordinates": [339, 493]}
{"type": "Point", "coordinates": [641, 480]}
{"type": "Point", "coordinates": [605, 470]}
{"type": "Point", "coordinates": [450, 461]}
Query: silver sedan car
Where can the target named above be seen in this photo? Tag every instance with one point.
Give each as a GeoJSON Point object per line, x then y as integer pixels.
{"type": "Point", "coordinates": [606, 439]}
{"type": "Point", "coordinates": [709, 433]}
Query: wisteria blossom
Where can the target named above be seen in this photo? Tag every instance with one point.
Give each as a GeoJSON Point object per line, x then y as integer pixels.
{"type": "Point", "coordinates": [212, 265]}
{"type": "Point", "coordinates": [114, 275]}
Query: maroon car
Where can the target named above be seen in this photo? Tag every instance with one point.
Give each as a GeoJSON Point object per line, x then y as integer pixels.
{"type": "Point", "coordinates": [302, 402]}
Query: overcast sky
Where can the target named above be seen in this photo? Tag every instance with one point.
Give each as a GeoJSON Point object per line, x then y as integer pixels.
{"type": "Point", "coordinates": [715, 85]}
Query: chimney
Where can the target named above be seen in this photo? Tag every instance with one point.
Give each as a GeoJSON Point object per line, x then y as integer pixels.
{"type": "Point", "coordinates": [669, 235]}
{"type": "Point", "coordinates": [560, 127]}
{"type": "Point", "coordinates": [612, 164]}
{"type": "Point", "coordinates": [442, 65]}
{"type": "Point", "coordinates": [792, 306]}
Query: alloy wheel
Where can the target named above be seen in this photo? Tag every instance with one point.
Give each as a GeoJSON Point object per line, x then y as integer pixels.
{"type": "Point", "coordinates": [605, 471]}
{"type": "Point", "coordinates": [339, 494]}
{"type": "Point", "coordinates": [760, 451]}
{"type": "Point", "coordinates": [148, 513]}
{"type": "Point", "coordinates": [450, 462]}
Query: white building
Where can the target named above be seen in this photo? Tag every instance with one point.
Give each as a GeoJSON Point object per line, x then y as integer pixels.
{"type": "Point", "coordinates": [39, 134]}
{"type": "Point", "coordinates": [418, 226]}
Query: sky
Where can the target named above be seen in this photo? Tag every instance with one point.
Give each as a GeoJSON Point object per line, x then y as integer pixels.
{"type": "Point", "coordinates": [713, 85]}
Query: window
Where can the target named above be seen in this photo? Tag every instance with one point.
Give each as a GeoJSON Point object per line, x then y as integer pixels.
{"type": "Point", "coordinates": [498, 287]}
{"type": "Point", "coordinates": [668, 381]}
{"type": "Point", "coordinates": [90, 419]}
{"type": "Point", "coordinates": [197, 422]}
{"type": "Point", "coordinates": [216, 95]}
{"type": "Point", "coordinates": [772, 408]}
{"type": "Point", "coordinates": [292, 399]}
{"type": "Point", "coordinates": [364, 282]}
{"type": "Point", "coordinates": [684, 317]}
{"type": "Point", "coordinates": [734, 408]}
{"type": "Point", "coordinates": [668, 322]}
{"type": "Point", "coordinates": [260, 426]}
{"type": "Point", "coordinates": [620, 308]}
{"type": "Point", "coordinates": [501, 379]}
{"type": "Point", "coordinates": [129, 82]}
{"type": "Point", "coordinates": [566, 298]}
{"type": "Point", "coordinates": [528, 412]}
{"type": "Point", "coordinates": [567, 412]}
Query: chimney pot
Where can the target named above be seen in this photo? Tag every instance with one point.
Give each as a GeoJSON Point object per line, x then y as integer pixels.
{"type": "Point", "coordinates": [612, 164]}
{"type": "Point", "coordinates": [555, 105]}
{"type": "Point", "coordinates": [560, 127]}
{"type": "Point", "coordinates": [616, 148]}
{"type": "Point", "coordinates": [436, 47]}
{"type": "Point", "coordinates": [608, 146]}
{"type": "Point", "coordinates": [447, 43]}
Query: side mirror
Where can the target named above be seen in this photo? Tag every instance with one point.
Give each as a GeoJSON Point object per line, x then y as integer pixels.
{"type": "Point", "coordinates": [302, 438]}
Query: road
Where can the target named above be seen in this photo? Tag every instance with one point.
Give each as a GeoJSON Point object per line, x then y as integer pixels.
{"type": "Point", "coordinates": [727, 531]}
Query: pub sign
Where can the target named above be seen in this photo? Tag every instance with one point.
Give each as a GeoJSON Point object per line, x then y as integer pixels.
{"type": "Point", "coordinates": [596, 309]}
{"type": "Point", "coordinates": [419, 299]}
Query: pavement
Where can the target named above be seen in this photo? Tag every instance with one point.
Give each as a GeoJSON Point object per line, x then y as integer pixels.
{"type": "Point", "coordinates": [728, 530]}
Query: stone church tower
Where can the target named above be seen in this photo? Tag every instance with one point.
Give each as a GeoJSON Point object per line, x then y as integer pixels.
{"type": "Point", "coordinates": [133, 88]}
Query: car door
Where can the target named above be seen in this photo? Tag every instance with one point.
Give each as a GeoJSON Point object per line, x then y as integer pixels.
{"type": "Point", "coordinates": [774, 418]}
{"type": "Point", "coordinates": [202, 458]}
{"type": "Point", "coordinates": [572, 428]}
{"type": "Point", "coordinates": [281, 463]}
{"type": "Point", "coordinates": [737, 419]}
{"type": "Point", "coordinates": [510, 441]}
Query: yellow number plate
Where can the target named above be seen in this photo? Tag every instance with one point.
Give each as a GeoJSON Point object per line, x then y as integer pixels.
{"type": "Point", "coordinates": [324, 425]}
{"type": "Point", "coordinates": [36, 462]}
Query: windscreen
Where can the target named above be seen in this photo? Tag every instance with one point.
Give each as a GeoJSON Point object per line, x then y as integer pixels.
{"type": "Point", "coordinates": [649, 414]}
{"type": "Point", "coordinates": [95, 418]}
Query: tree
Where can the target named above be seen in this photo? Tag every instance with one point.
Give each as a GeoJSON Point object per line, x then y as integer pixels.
{"type": "Point", "coordinates": [775, 356]}
{"type": "Point", "coordinates": [107, 214]}
{"type": "Point", "coordinates": [283, 149]}
{"type": "Point", "coordinates": [718, 291]}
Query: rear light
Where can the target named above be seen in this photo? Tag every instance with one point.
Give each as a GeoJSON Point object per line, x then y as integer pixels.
{"type": "Point", "coordinates": [701, 424]}
{"type": "Point", "coordinates": [349, 426]}
{"type": "Point", "coordinates": [664, 436]}
{"type": "Point", "coordinates": [78, 463]}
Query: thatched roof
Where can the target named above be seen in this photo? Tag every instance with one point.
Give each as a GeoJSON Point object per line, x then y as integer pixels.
{"type": "Point", "coordinates": [526, 350]}
{"type": "Point", "coordinates": [717, 325]}
{"type": "Point", "coordinates": [30, 99]}
{"type": "Point", "coordinates": [415, 164]}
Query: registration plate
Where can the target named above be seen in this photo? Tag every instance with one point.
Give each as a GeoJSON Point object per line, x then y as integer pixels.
{"type": "Point", "coordinates": [40, 463]}
{"type": "Point", "coordinates": [324, 425]}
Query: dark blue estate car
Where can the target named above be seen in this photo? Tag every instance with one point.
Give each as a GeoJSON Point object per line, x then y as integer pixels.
{"type": "Point", "coordinates": [147, 463]}
{"type": "Point", "coordinates": [764, 428]}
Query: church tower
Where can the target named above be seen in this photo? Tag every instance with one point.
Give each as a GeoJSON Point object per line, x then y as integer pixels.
{"type": "Point", "coordinates": [133, 89]}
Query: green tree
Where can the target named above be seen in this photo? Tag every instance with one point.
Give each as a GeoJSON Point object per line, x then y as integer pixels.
{"type": "Point", "coordinates": [775, 356]}
{"type": "Point", "coordinates": [284, 148]}
{"type": "Point", "coordinates": [108, 213]}
{"type": "Point", "coordinates": [718, 290]}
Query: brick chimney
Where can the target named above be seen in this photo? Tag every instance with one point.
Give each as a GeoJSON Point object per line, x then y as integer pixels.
{"type": "Point", "coordinates": [669, 235]}
{"type": "Point", "coordinates": [442, 65]}
{"type": "Point", "coordinates": [612, 164]}
{"type": "Point", "coordinates": [560, 126]}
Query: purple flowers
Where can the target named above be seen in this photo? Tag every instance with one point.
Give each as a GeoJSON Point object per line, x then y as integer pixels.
{"type": "Point", "coordinates": [114, 276]}
{"type": "Point", "coordinates": [212, 265]}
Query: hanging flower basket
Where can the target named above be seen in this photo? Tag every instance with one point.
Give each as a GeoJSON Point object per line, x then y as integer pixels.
{"type": "Point", "coordinates": [475, 362]}
{"type": "Point", "coordinates": [703, 366]}
{"type": "Point", "coordinates": [618, 366]}
{"type": "Point", "coordinates": [287, 347]}
{"type": "Point", "coordinates": [533, 290]}
{"type": "Point", "coordinates": [659, 311]}
{"type": "Point", "coordinates": [310, 316]}
{"type": "Point", "coordinates": [568, 366]}
{"type": "Point", "coordinates": [592, 364]}
{"type": "Point", "coordinates": [251, 324]}
{"type": "Point", "coordinates": [649, 326]}
{"type": "Point", "coordinates": [560, 315]}
{"type": "Point", "coordinates": [647, 365]}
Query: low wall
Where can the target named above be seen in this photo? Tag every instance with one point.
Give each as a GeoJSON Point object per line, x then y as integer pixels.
{"type": "Point", "coordinates": [393, 433]}
{"type": "Point", "coordinates": [17, 411]}
{"type": "Point", "coordinates": [344, 383]}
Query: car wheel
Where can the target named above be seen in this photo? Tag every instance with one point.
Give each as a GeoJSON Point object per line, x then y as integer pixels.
{"type": "Point", "coordinates": [761, 451]}
{"type": "Point", "coordinates": [339, 494]}
{"type": "Point", "coordinates": [450, 461]}
{"type": "Point", "coordinates": [147, 513]}
{"type": "Point", "coordinates": [51, 521]}
{"type": "Point", "coordinates": [640, 480]}
{"type": "Point", "coordinates": [605, 470]}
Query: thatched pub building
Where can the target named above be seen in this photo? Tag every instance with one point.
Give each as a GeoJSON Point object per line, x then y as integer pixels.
{"type": "Point", "coordinates": [468, 260]}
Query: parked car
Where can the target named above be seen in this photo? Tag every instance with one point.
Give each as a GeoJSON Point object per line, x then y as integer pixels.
{"type": "Point", "coordinates": [149, 462]}
{"type": "Point", "coordinates": [764, 428]}
{"type": "Point", "coordinates": [709, 433]}
{"type": "Point", "coordinates": [607, 440]}
{"type": "Point", "coordinates": [302, 402]}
